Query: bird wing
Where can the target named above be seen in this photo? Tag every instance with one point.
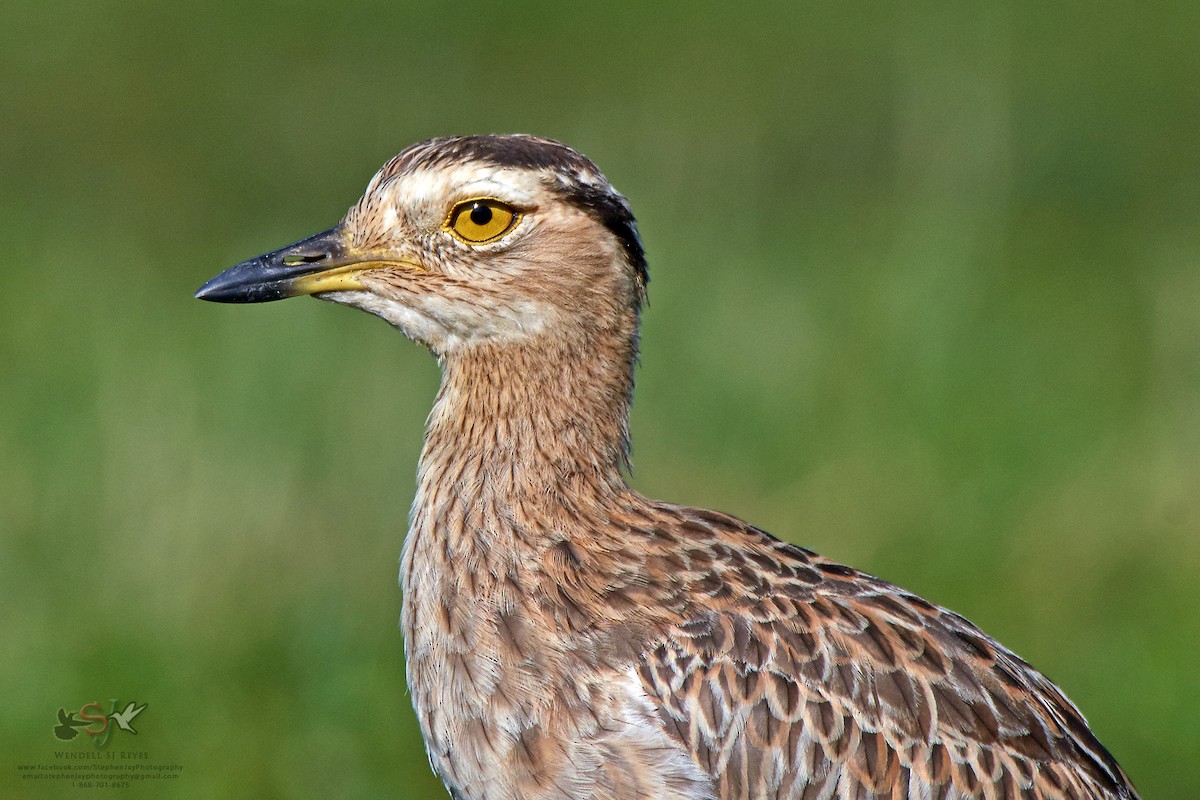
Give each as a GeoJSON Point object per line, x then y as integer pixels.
{"type": "Point", "coordinates": [795, 677]}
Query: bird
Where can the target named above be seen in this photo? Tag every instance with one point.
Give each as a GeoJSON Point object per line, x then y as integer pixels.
{"type": "Point", "coordinates": [65, 729]}
{"type": "Point", "coordinates": [124, 718]}
{"type": "Point", "coordinates": [568, 637]}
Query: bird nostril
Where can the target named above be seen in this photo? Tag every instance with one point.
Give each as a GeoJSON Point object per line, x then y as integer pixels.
{"type": "Point", "coordinates": [301, 258]}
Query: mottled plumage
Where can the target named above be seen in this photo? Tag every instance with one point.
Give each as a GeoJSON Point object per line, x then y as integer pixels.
{"type": "Point", "coordinates": [568, 638]}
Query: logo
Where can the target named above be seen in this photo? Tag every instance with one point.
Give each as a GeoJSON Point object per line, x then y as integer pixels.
{"type": "Point", "coordinates": [97, 724]}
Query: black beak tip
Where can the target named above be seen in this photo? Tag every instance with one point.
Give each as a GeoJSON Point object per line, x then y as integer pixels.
{"type": "Point", "coordinates": [253, 281]}
{"type": "Point", "coordinates": [217, 290]}
{"type": "Point", "coordinates": [207, 292]}
{"type": "Point", "coordinates": [272, 276]}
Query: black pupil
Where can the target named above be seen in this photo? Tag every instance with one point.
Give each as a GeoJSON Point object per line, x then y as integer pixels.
{"type": "Point", "coordinates": [481, 214]}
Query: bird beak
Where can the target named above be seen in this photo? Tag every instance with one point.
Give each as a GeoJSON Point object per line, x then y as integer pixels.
{"type": "Point", "coordinates": [321, 263]}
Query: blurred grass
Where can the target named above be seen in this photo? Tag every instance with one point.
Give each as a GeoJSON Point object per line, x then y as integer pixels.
{"type": "Point", "coordinates": [925, 298]}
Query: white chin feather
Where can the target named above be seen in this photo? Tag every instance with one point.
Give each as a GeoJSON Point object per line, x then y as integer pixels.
{"type": "Point", "coordinates": [413, 324]}
{"type": "Point", "coordinates": [443, 325]}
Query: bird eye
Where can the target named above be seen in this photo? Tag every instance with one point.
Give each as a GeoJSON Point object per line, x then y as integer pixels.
{"type": "Point", "coordinates": [481, 220]}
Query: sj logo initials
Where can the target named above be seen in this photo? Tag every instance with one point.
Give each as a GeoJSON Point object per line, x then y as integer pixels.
{"type": "Point", "coordinates": [96, 723]}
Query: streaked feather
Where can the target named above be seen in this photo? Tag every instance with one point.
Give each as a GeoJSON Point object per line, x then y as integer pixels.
{"type": "Point", "coordinates": [568, 639]}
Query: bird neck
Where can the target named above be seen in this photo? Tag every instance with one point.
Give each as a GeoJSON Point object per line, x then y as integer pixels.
{"type": "Point", "coordinates": [530, 428]}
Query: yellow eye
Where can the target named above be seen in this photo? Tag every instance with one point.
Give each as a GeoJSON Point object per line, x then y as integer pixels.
{"type": "Point", "coordinates": [482, 220]}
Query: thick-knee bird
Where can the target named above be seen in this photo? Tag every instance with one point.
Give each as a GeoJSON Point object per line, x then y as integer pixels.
{"type": "Point", "coordinates": [568, 638]}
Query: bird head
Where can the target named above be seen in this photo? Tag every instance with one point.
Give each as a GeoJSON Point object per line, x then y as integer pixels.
{"type": "Point", "coordinates": [465, 240]}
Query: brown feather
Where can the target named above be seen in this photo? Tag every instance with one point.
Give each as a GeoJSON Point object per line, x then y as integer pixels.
{"type": "Point", "coordinates": [569, 638]}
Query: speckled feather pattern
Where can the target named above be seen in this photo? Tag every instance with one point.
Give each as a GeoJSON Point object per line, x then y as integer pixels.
{"type": "Point", "coordinates": [541, 593]}
{"type": "Point", "coordinates": [568, 638]}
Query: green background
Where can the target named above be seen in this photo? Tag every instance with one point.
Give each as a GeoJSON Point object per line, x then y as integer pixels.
{"type": "Point", "coordinates": [924, 298]}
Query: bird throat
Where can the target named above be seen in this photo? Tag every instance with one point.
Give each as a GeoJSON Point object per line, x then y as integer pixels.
{"type": "Point", "coordinates": [523, 459]}
{"type": "Point", "coordinates": [530, 427]}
